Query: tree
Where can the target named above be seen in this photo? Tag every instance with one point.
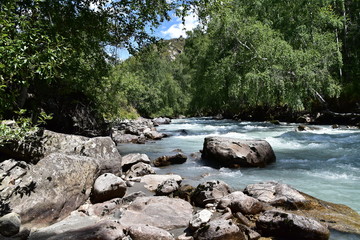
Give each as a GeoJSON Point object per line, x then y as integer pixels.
{"type": "Point", "coordinates": [264, 54]}
{"type": "Point", "coordinates": [58, 47]}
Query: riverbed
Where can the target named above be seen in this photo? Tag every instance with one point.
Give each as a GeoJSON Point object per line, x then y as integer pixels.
{"type": "Point", "coordinates": [324, 162]}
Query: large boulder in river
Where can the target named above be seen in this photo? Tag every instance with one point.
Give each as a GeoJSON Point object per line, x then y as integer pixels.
{"type": "Point", "coordinates": [162, 212]}
{"type": "Point", "coordinates": [53, 188]}
{"type": "Point", "coordinates": [235, 153]}
{"type": "Point", "coordinates": [290, 226]}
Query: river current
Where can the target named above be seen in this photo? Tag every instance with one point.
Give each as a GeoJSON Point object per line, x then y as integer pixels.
{"type": "Point", "coordinates": [324, 163]}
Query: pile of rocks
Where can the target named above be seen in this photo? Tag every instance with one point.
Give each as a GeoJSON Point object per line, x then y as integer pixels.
{"type": "Point", "coordinates": [81, 188]}
{"type": "Point", "coordinates": [138, 131]}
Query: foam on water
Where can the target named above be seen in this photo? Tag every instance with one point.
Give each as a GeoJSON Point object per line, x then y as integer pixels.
{"type": "Point", "coordinates": [324, 163]}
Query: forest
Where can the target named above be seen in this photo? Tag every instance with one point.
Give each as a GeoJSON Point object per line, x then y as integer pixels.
{"type": "Point", "coordinates": [265, 56]}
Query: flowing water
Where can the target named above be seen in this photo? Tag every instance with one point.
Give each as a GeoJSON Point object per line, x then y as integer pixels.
{"type": "Point", "coordinates": [324, 163]}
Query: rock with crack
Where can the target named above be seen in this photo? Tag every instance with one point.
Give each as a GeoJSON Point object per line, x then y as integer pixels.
{"type": "Point", "coordinates": [290, 226]}
{"type": "Point", "coordinates": [162, 212]}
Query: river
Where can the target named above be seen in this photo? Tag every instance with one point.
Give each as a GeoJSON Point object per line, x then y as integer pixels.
{"type": "Point", "coordinates": [324, 163]}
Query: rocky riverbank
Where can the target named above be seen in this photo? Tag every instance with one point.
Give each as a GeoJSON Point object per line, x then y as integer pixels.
{"type": "Point", "coordinates": [63, 186]}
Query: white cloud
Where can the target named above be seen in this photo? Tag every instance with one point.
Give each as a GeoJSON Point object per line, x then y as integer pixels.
{"type": "Point", "coordinates": [179, 29]}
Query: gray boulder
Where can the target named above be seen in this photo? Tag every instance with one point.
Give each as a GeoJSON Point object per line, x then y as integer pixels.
{"type": "Point", "coordinates": [162, 212]}
{"type": "Point", "coordinates": [142, 231]}
{"type": "Point", "coordinates": [138, 170]}
{"type": "Point", "coordinates": [106, 187]}
{"type": "Point", "coordinates": [276, 194]}
{"type": "Point", "coordinates": [162, 161]}
{"type": "Point", "coordinates": [209, 192]}
{"type": "Point", "coordinates": [153, 181]}
{"type": "Point", "coordinates": [291, 226]}
{"type": "Point", "coordinates": [80, 226]}
{"type": "Point", "coordinates": [53, 188]}
{"type": "Point", "coordinates": [235, 153]}
{"type": "Point", "coordinates": [239, 202]}
{"type": "Point", "coordinates": [119, 137]}
{"type": "Point", "coordinates": [161, 120]}
{"type": "Point", "coordinates": [10, 224]}
{"type": "Point", "coordinates": [220, 230]}
{"type": "Point", "coordinates": [167, 187]}
{"type": "Point", "coordinates": [133, 158]}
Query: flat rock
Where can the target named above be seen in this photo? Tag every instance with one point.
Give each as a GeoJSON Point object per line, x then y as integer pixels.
{"type": "Point", "coordinates": [162, 212]}
{"type": "Point", "coordinates": [80, 226]}
{"type": "Point", "coordinates": [235, 153]}
{"type": "Point", "coordinates": [153, 181]}
{"type": "Point", "coordinates": [291, 226]}
{"type": "Point", "coordinates": [142, 231]}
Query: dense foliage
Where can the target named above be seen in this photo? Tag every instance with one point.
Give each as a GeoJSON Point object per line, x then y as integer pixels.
{"type": "Point", "coordinates": [58, 47]}
{"type": "Point", "coordinates": [245, 55]}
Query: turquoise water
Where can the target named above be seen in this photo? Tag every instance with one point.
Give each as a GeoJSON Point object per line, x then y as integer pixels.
{"type": "Point", "coordinates": [324, 163]}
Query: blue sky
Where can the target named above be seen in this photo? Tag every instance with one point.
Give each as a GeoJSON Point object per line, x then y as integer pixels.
{"type": "Point", "coordinates": [170, 29]}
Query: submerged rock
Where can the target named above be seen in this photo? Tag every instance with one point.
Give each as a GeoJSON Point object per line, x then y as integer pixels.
{"type": "Point", "coordinates": [235, 153]}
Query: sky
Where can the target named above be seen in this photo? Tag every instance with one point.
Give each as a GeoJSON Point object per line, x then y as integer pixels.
{"type": "Point", "coordinates": [170, 29]}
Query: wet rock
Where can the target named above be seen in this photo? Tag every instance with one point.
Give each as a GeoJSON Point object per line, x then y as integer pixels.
{"type": "Point", "coordinates": [80, 226]}
{"type": "Point", "coordinates": [178, 158]}
{"type": "Point", "coordinates": [154, 135]}
{"type": "Point", "coordinates": [163, 212]}
{"type": "Point", "coordinates": [239, 202]}
{"type": "Point", "coordinates": [138, 170]}
{"type": "Point", "coordinates": [234, 153]}
{"type": "Point", "coordinates": [50, 190]}
{"type": "Point", "coordinates": [133, 158]}
{"type": "Point", "coordinates": [220, 230]}
{"type": "Point", "coordinates": [153, 181]}
{"type": "Point", "coordinates": [302, 128]}
{"type": "Point", "coordinates": [209, 192]}
{"type": "Point", "coordinates": [142, 231]}
{"type": "Point", "coordinates": [276, 194]}
{"type": "Point", "coordinates": [291, 226]}
{"type": "Point", "coordinates": [10, 224]}
{"type": "Point", "coordinates": [106, 187]}
{"type": "Point", "coordinates": [167, 187]}
{"type": "Point", "coordinates": [200, 218]}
